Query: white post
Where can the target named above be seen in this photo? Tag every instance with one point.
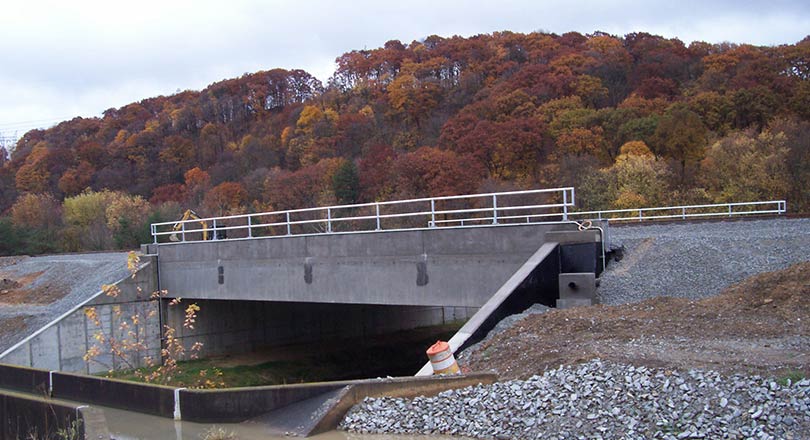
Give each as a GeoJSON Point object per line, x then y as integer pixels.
{"type": "Point", "coordinates": [377, 206]}
{"type": "Point", "coordinates": [495, 209]}
{"type": "Point", "coordinates": [565, 205]}
{"type": "Point", "coordinates": [250, 230]}
{"type": "Point", "coordinates": [432, 213]}
{"type": "Point", "coordinates": [289, 232]}
{"type": "Point", "coordinates": [329, 220]}
{"type": "Point", "coordinates": [214, 237]}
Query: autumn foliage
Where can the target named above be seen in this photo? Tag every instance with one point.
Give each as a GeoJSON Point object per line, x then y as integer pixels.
{"type": "Point", "coordinates": [632, 121]}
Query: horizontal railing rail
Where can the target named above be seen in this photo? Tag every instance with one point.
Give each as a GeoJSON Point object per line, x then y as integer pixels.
{"type": "Point", "coordinates": [684, 211]}
{"type": "Point", "coordinates": [462, 210]}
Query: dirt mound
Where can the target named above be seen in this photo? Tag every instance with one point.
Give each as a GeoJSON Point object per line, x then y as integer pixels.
{"type": "Point", "coordinates": [24, 290]}
{"type": "Point", "coordinates": [761, 326]}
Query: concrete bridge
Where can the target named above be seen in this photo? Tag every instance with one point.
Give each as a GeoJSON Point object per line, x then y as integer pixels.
{"type": "Point", "coordinates": [401, 265]}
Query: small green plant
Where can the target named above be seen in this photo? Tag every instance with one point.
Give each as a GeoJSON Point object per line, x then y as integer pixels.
{"type": "Point", "coordinates": [218, 433]}
{"type": "Point", "coordinates": [70, 432]}
{"type": "Point", "coordinates": [792, 376]}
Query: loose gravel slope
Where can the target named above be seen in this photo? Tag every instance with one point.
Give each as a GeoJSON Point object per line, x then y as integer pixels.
{"type": "Point", "coordinates": [696, 260]}
{"type": "Point", "coordinates": [36, 290]}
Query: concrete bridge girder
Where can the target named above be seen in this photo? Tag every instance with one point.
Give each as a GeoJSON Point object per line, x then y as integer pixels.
{"type": "Point", "coordinates": [435, 267]}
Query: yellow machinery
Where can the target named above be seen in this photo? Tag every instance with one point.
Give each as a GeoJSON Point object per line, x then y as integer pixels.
{"type": "Point", "coordinates": [189, 215]}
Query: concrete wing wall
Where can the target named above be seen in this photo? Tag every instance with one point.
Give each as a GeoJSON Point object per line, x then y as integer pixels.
{"type": "Point", "coordinates": [432, 267]}
{"type": "Point", "coordinates": [61, 344]}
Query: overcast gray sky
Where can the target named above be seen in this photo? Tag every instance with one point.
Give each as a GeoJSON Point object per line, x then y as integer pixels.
{"type": "Point", "coordinates": [62, 59]}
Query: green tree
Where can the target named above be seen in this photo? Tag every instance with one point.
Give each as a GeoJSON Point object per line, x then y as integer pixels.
{"type": "Point", "coordinates": [10, 242]}
{"type": "Point", "coordinates": [346, 183]}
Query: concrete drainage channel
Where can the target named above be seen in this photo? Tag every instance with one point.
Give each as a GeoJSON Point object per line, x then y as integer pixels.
{"type": "Point", "coordinates": [26, 403]}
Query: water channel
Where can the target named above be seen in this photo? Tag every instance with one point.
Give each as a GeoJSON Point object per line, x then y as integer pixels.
{"type": "Point", "coordinates": [125, 425]}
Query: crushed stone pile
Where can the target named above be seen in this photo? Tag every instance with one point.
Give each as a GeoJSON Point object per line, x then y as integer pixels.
{"type": "Point", "coordinates": [601, 400]}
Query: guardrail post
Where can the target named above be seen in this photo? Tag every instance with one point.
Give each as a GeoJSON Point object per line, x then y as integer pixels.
{"type": "Point", "coordinates": [565, 205]}
{"type": "Point", "coordinates": [495, 209]}
{"type": "Point", "coordinates": [640, 215]}
{"type": "Point", "coordinates": [250, 229]}
{"type": "Point", "coordinates": [329, 220]}
{"type": "Point", "coordinates": [289, 231]}
{"type": "Point", "coordinates": [183, 234]}
{"type": "Point", "coordinates": [377, 209]}
{"type": "Point", "coordinates": [432, 213]}
{"type": "Point", "coordinates": [729, 209]}
{"type": "Point", "coordinates": [214, 236]}
{"type": "Point", "coordinates": [683, 213]}
{"type": "Point", "coordinates": [153, 228]}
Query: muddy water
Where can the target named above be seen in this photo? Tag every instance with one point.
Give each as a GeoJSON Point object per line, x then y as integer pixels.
{"type": "Point", "coordinates": [126, 425]}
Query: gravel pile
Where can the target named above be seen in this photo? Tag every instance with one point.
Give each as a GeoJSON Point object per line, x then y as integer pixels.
{"type": "Point", "coordinates": [79, 275]}
{"type": "Point", "coordinates": [696, 260]}
{"type": "Point", "coordinates": [599, 400]}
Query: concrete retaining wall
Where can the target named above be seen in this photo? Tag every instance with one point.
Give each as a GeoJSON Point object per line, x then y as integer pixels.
{"type": "Point", "coordinates": [433, 267]}
{"type": "Point", "coordinates": [24, 417]}
{"type": "Point", "coordinates": [231, 327]}
{"type": "Point", "coordinates": [238, 404]}
{"type": "Point", "coordinates": [131, 396]}
{"type": "Point", "coordinates": [27, 380]}
{"type": "Point", "coordinates": [61, 345]}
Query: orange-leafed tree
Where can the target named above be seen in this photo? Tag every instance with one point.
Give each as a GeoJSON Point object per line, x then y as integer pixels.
{"type": "Point", "coordinates": [227, 198]}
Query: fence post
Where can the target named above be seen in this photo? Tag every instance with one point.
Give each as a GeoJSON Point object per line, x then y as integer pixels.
{"type": "Point", "coordinates": [639, 215]}
{"type": "Point", "coordinates": [729, 209]}
{"type": "Point", "coordinates": [683, 213]}
{"type": "Point", "coordinates": [377, 206]}
{"type": "Point", "coordinates": [153, 228]}
{"type": "Point", "coordinates": [432, 213]}
{"type": "Point", "coordinates": [495, 209]}
{"type": "Point", "coordinates": [214, 231]}
{"type": "Point", "coordinates": [183, 234]}
{"type": "Point", "coordinates": [289, 231]}
{"type": "Point", "coordinates": [329, 220]}
{"type": "Point", "coordinates": [565, 205]}
{"type": "Point", "coordinates": [250, 229]}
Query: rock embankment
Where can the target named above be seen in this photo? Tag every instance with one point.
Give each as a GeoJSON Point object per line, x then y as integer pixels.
{"type": "Point", "coordinates": [601, 400]}
{"type": "Point", "coordinates": [697, 260]}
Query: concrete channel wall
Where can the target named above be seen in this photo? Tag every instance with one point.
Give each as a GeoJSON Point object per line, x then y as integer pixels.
{"type": "Point", "coordinates": [458, 267]}
{"type": "Point", "coordinates": [62, 344]}
{"type": "Point", "coordinates": [25, 416]}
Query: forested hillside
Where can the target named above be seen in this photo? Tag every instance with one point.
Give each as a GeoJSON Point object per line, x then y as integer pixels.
{"type": "Point", "coordinates": [630, 121]}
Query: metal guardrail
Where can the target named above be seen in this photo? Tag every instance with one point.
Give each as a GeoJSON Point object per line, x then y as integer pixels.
{"type": "Point", "coordinates": [510, 207]}
{"type": "Point", "coordinates": [684, 212]}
